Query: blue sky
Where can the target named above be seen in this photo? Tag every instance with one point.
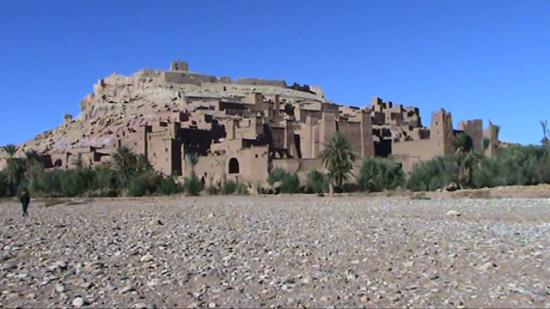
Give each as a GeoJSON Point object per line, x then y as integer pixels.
{"type": "Point", "coordinates": [477, 59]}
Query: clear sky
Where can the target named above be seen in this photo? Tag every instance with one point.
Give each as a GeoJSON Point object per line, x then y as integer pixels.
{"type": "Point", "coordinates": [477, 59]}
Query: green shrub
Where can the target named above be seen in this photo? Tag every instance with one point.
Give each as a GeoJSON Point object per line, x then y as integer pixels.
{"type": "Point", "coordinates": [433, 174]}
{"type": "Point", "coordinates": [229, 187]}
{"type": "Point", "coordinates": [105, 178]}
{"type": "Point", "coordinates": [143, 184]}
{"type": "Point", "coordinates": [518, 165]}
{"type": "Point", "coordinates": [63, 183]}
{"type": "Point", "coordinates": [77, 182]}
{"type": "Point", "coordinates": [486, 173]}
{"type": "Point", "coordinates": [515, 165]}
{"type": "Point", "coordinates": [544, 167]}
{"type": "Point", "coordinates": [317, 182]}
{"type": "Point", "coordinates": [213, 190]}
{"type": "Point", "coordinates": [242, 189]}
{"type": "Point", "coordinates": [276, 175]}
{"type": "Point", "coordinates": [379, 174]}
{"type": "Point", "coordinates": [105, 182]}
{"type": "Point", "coordinates": [290, 183]}
{"type": "Point", "coordinates": [167, 186]}
{"type": "Point", "coordinates": [35, 173]}
{"type": "Point", "coordinates": [3, 185]}
{"type": "Point", "coordinates": [50, 184]}
{"type": "Point", "coordinates": [193, 185]}
{"type": "Point", "coordinates": [138, 186]}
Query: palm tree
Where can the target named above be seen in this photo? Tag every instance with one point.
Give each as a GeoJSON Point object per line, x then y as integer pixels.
{"type": "Point", "coordinates": [15, 174]}
{"type": "Point", "coordinates": [466, 159]}
{"type": "Point", "coordinates": [464, 143]}
{"type": "Point", "coordinates": [338, 157]}
{"type": "Point", "coordinates": [34, 170]}
{"type": "Point", "coordinates": [143, 164]}
{"type": "Point", "coordinates": [545, 132]}
{"type": "Point", "coordinates": [124, 163]}
{"type": "Point", "coordinates": [15, 169]}
{"type": "Point", "coordinates": [33, 156]}
{"type": "Point", "coordinates": [10, 150]}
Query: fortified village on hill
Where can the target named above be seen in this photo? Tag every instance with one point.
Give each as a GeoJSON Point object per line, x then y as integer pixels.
{"type": "Point", "coordinates": [241, 129]}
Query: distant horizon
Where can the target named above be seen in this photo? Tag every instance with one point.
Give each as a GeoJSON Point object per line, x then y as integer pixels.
{"type": "Point", "coordinates": [476, 60]}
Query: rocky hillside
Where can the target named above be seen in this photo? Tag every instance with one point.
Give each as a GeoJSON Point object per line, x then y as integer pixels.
{"type": "Point", "coordinates": [119, 101]}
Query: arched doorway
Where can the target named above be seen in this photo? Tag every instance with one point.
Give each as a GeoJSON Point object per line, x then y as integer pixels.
{"type": "Point", "coordinates": [233, 166]}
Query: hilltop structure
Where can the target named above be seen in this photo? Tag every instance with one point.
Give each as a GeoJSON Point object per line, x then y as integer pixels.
{"type": "Point", "coordinates": [241, 129]}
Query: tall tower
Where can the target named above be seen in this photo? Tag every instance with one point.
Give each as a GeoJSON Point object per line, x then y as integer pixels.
{"type": "Point", "coordinates": [441, 133]}
{"type": "Point", "coordinates": [367, 143]}
{"type": "Point", "coordinates": [474, 129]}
{"type": "Point", "coordinates": [327, 127]}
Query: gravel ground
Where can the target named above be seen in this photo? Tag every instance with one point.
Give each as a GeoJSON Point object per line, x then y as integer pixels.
{"type": "Point", "coordinates": [289, 251]}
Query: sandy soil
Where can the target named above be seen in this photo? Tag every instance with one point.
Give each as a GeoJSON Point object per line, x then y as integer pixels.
{"type": "Point", "coordinates": [285, 251]}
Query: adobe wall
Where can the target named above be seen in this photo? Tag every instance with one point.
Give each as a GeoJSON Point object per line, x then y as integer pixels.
{"type": "Point", "coordinates": [440, 143]}
{"type": "Point", "coordinates": [252, 166]}
{"type": "Point", "coordinates": [162, 153]}
{"type": "Point", "coordinates": [311, 109]}
{"type": "Point", "coordinates": [309, 138]}
{"type": "Point", "coordinates": [407, 161]}
{"type": "Point", "coordinates": [278, 137]}
{"type": "Point", "coordinates": [261, 82]}
{"type": "Point", "coordinates": [249, 128]}
{"type": "Point", "coordinates": [421, 149]}
{"type": "Point", "coordinates": [474, 128]}
{"type": "Point", "coordinates": [60, 159]}
{"type": "Point", "coordinates": [135, 141]}
{"type": "Point", "coordinates": [289, 165]}
{"type": "Point", "coordinates": [367, 140]}
{"type": "Point", "coordinates": [212, 169]}
{"type": "Point", "coordinates": [87, 159]}
{"type": "Point", "coordinates": [301, 167]}
{"type": "Point", "coordinates": [327, 128]}
{"type": "Point", "coordinates": [290, 146]}
{"type": "Point", "coordinates": [352, 132]}
{"type": "Point", "coordinates": [179, 77]}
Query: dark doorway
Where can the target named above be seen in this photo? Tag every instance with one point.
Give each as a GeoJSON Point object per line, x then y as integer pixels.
{"type": "Point", "coordinates": [233, 166]}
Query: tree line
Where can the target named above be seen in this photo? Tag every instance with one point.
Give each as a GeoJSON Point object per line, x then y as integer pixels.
{"type": "Point", "coordinates": [128, 174]}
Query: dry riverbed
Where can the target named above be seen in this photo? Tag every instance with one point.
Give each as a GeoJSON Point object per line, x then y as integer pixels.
{"type": "Point", "coordinates": [285, 251]}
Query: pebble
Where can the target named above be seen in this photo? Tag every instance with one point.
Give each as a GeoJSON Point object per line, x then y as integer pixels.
{"type": "Point", "coordinates": [146, 258]}
{"type": "Point", "coordinates": [60, 288]}
{"type": "Point", "coordinates": [127, 289]}
{"type": "Point", "coordinates": [78, 302]}
{"type": "Point", "coordinates": [453, 214]}
{"type": "Point", "coordinates": [59, 265]}
{"type": "Point", "coordinates": [487, 266]}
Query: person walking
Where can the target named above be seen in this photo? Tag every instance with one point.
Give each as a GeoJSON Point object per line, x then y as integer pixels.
{"type": "Point", "coordinates": [25, 198]}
